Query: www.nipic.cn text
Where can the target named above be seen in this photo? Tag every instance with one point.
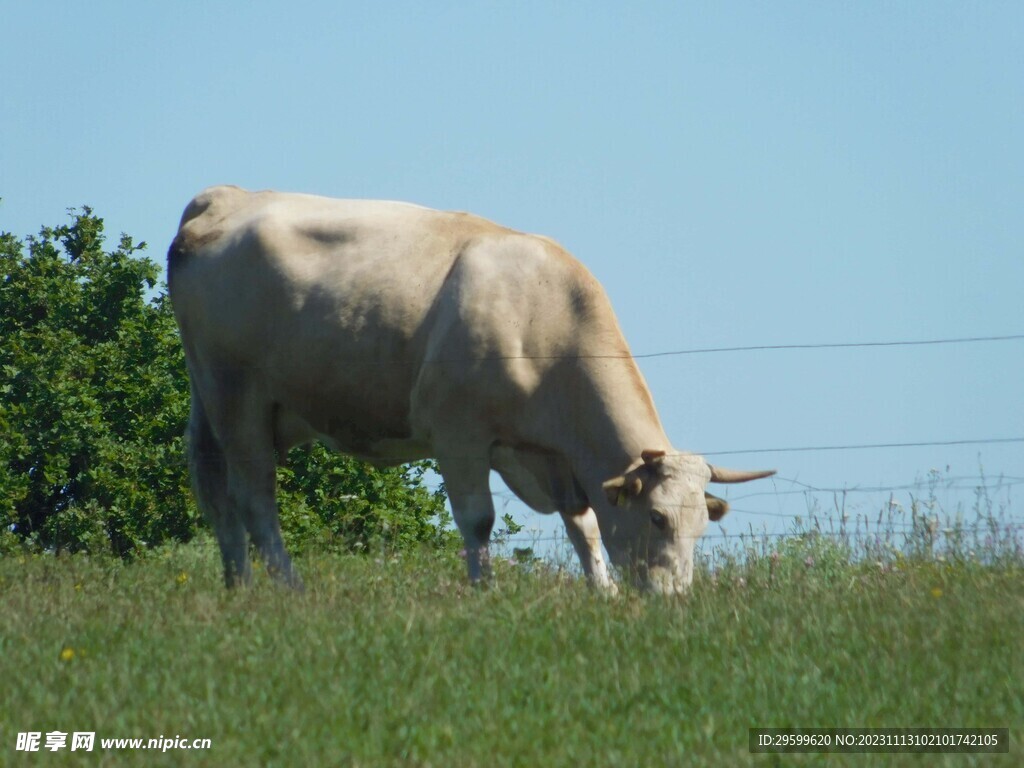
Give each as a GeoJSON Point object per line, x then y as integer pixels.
{"type": "Point", "coordinates": [86, 741]}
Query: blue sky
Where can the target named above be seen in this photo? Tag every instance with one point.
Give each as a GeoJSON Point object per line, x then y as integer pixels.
{"type": "Point", "coordinates": [736, 174]}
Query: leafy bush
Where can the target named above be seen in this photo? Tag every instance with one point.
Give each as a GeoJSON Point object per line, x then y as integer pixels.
{"type": "Point", "coordinates": [94, 397]}
{"type": "Point", "coordinates": [333, 502]}
{"type": "Point", "coordinates": [93, 407]}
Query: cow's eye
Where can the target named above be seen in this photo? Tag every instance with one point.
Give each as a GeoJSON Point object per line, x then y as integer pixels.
{"type": "Point", "coordinates": [658, 519]}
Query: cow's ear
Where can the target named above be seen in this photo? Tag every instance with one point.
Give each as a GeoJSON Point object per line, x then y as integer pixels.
{"type": "Point", "coordinates": [622, 488]}
{"type": "Point", "coordinates": [716, 507]}
{"type": "Point", "coordinates": [652, 457]}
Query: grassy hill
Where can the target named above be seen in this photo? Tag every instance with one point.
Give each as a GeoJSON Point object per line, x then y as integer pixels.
{"type": "Point", "coordinates": [396, 661]}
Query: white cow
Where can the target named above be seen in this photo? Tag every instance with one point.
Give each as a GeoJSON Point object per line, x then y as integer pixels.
{"type": "Point", "coordinates": [394, 333]}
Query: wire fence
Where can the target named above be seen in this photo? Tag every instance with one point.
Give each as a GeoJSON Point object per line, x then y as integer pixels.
{"type": "Point", "coordinates": [752, 536]}
{"type": "Point", "coordinates": [973, 483]}
{"type": "Point", "coordinates": [839, 345]}
{"type": "Point", "coordinates": [888, 522]}
{"type": "Point", "coordinates": [983, 541]}
{"type": "Point", "coordinates": [907, 512]}
{"type": "Point", "coordinates": [992, 536]}
{"type": "Point", "coordinates": [626, 355]}
{"type": "Point", "coordinates": [851, 525]}
{"type": "Point", "coordinates": [870, 446]}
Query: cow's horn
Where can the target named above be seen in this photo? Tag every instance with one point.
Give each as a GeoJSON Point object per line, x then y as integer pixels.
{"type": "Point", "coordinates": [722, 475]}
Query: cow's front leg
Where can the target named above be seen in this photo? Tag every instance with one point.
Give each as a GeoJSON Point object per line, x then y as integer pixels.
{"type": "Point", "coordinates": [586, 540]}
{"type": "Point", "coordinates": [469, 491]}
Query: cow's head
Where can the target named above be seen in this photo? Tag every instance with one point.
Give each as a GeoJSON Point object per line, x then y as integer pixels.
{"type": "Point", "coordinates": [660, 510]}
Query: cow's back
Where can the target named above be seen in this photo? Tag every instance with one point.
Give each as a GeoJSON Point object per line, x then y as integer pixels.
{"type": "Point", "coordinates": [300, 268]}
{"type": "Point", "coordinates": [328, 303]}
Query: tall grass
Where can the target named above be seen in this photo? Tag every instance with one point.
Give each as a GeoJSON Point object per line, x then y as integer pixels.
{"type": "Point", "coordinates": [396, 661]}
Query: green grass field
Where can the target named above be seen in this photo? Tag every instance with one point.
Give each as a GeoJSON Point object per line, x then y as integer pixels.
{"type": "Point", "coordinates": [396, 661]}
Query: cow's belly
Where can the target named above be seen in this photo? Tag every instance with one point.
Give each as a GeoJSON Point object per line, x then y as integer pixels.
{"type": "Point", "coordinates": [380, 441]}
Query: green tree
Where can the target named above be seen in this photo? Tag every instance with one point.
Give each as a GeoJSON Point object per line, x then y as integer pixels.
{"type": "Point", "coordinates": [93, 406]}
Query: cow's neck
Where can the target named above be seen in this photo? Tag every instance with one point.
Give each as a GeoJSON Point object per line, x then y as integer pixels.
{"type": "Point", "coordinates": [610, 420]}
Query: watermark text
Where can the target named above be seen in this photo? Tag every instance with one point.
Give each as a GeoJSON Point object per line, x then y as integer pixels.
{"type": "Point", "coordinates": [86, 741]}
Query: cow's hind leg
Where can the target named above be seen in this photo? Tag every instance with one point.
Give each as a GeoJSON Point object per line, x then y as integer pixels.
{"type": "Point", "coordinates": [208, 470]}
{"type": "Point", "coordinates": [467, 481]}
{"type": "Point", "coordinates": [252, 486]}
{"type": "Point", "coordinates": [244, 426]}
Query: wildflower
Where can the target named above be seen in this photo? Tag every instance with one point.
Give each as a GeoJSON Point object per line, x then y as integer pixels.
{"type": "Point", "coordinates": [67, 654]}
{"type": "Point", "coordinates": [936, 592]}
{"type": "Point", "coordinates": [181, 578]}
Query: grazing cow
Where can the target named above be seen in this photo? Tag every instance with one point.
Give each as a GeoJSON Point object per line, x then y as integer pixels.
{"type": "Point", "coordinates": [394, 333]}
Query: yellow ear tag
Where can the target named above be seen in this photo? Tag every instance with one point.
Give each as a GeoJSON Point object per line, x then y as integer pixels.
{"type": "Point", "coordinates": [621, 501]}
